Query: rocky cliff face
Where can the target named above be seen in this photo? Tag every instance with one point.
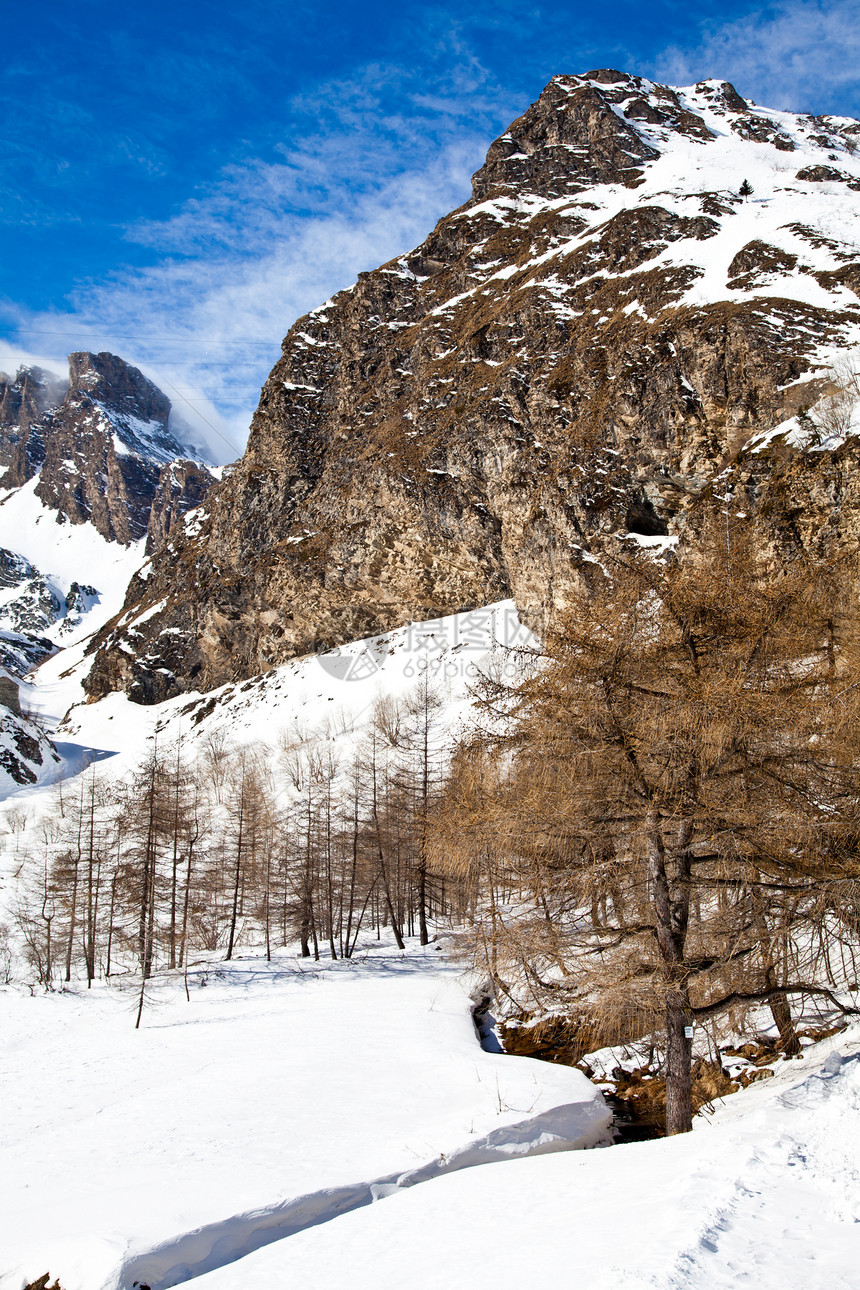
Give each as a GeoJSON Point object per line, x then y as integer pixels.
{"type": "Point", "coordinates": [24, 399]}
{"type": "Point", "coordinates": [182, 485]}
{"type": "Point", "coordinates": [89, 467]}
{"type": "Point", "coordinates": [100, 451]}
{"type": "Point", "coordinates": [27, 755]}
{"type": "Point", "coordinates": [575, 355]}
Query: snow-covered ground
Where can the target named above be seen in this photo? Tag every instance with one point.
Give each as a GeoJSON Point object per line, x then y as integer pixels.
{"type": "Point", "coordinates": [65, 553]}
{"type": "Point", "coordinates": [276, 1092]}
{"type": "Point", "coordinates": [767, 1194]}
{"type": "Point", "coordinates": [331, 696]}
{"type": "Point", "coordinates": [64, 582]}
{"type": "Point", "coordinates": [273, 1130]}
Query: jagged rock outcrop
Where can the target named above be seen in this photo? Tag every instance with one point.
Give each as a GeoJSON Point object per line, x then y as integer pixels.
{"type": "Point", "coordinates": [28, 603]}
{"type": "Point", "coordinates": [9, 695]}
{"type": "Point", "coordinates": [576, 354]}
{"type": "Point", "coordinates": [27, 755]}
{"type": "Point", "coordinates": [102, 453]}
{"type": "Point", "coordinates": [24, 399]}
{"type": "Point", "coordinates": [181, 486]}
{"type": "Point", "coordinates": [79, 600]}
{"type": "Point", "coordinates": [93, 450]}
{"type": "Point", "coordinates": [20, 652]}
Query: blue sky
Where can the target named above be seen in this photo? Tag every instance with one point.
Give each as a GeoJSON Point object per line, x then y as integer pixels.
{"type": "Point", "coordinates": [180, 181]}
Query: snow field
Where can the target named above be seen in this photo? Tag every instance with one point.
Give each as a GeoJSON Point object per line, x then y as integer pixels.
{"type": "Point", "coordinates": [766, 1195]}
{"type": "Point", "coordinates": [274, 1083]}
{"type": "Point", "coordinates": [284, 1095]}
{"type": "Point", "coordinates": [330, 698]}
{"type": "Point", "coordinates": [67, 553]}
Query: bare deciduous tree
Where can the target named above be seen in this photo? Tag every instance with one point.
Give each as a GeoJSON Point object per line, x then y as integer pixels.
{"type": "Point", "coordinates": [664, 796]}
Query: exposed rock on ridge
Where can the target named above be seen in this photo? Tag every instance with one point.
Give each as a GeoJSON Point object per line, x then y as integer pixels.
{"type": "Point", "coordinates": [182, 485]}
{"type": "Point", "coordinates": [23, 401]}
{"type": "Point", "coordinates": [26, 753]}
{"type": "Point", "coordinates": [574, 355]}
{"type": "Point", "coordinates": [100, 450]}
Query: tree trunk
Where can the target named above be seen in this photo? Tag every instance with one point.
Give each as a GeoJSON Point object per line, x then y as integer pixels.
{"type": "Point", "coordinates": [424, 935]}
{"type": "Point", "coordinates": [74, 906]}
{"type": "Point", "coordinates": [113, 883]}
{"type": "Point", "coordinates": [352, 874]}
{"type": "Point", "coordinates": [150, 923]}
{"type": "Point", "coordinates": [186, 896]}
{"type": "Point", "coordinates": [266, 906]}
{"type": "Point", "coordinates": [670, 901]}
{"type": "Point", "coordinates": [780, 1008]}
{"type": "Point", "coordinates": [237, 875]}
{"type": "Point", "coordinates": [679, 1053]}
{"type": "Point", "coordinates": [781, 1013]}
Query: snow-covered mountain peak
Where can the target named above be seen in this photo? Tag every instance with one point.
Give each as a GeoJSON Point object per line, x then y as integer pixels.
{"type": "Point", "coordinates": [98, 445]}
{"type": "Point", "coordinates": [113, 381]}
{"type": "Point", "coordinates": [616, 128]}
{"type": "Point", "coordinates": [645, 278]}
{"type": "Point", "coordinates": [121, 400]}
{"type": "Point", "coordinates": [92, 475]}
{"type": "Point", "coordinates": [694, 197]}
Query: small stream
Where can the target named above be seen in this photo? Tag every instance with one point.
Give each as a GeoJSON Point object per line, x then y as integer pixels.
{"type": "Point", "coordinates": [184, 1257]}
{"type": "Point", "coordinates": [626, 1125]}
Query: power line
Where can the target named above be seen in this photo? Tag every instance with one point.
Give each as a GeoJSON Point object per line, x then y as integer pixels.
{"type": "Point", "coordinates": [199, 362]}
{"type": "Point", "coordinates": [195, 409]}
{"type": "Point", "coordinates": [230, 445]}
{"type": "Point", "coordinates": [181, 340]}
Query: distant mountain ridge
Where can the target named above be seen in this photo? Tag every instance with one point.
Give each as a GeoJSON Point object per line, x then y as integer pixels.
{"type": "Point", "coordinates": [605, 337]}
{"type": "Point", "coordinates": [103, 451]}
{"type": "Point", "coordinates": [89, 469]}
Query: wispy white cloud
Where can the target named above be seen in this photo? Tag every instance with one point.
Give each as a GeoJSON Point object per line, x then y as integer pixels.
{"type": "Point", "coordinates": [12, 357]}
{"type": "Point", "coordinates": [801, 55]}
{"type": "Point", "coordinates": [362, 171]}
{"type": "Point", "coordinates": [269, 239]}
{"type": "Point", "coordinates": [194, 421]}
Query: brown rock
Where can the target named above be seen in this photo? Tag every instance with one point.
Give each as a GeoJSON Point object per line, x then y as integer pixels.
{"type": "Point", "coordinates": [99, 444]}
{"type": "Point", "coordinates": [23, 401]}
{"type": "Point", "coordinates": [471, 420]}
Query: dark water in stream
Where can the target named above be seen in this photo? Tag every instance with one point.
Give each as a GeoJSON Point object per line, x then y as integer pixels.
{"type": "Point", "coordinates": [626, 1126]}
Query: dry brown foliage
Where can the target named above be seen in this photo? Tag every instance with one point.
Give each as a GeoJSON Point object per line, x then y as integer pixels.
{"type": "Point", "coordinates": [660, 823]}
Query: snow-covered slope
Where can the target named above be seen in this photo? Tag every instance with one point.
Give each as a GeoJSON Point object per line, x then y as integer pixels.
{"type": "Point", "coordinates": [274, 1093]}
{"type": "Point", "coordinates": [767, 1194]}
{"type": "Point", "coordinates": [330, 697]}
{"type": "Point", "coordinates": [88, 465]}
{"type": "Point", "coordinates": [59, 583]}
{"type": "Point", "coordinates": [804, 177]}
{"type": "Point", "coordinates": [63, 557]}
{"type": "Point", "coordinates": [276, 1099]}
{"type": "Point", "coordinates": [27, 755]}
